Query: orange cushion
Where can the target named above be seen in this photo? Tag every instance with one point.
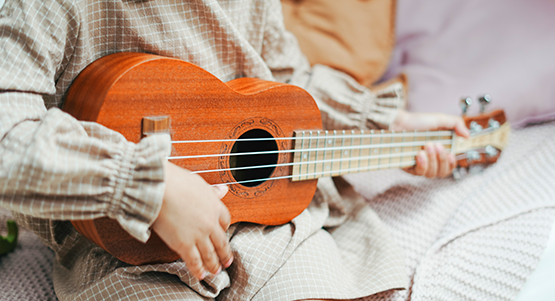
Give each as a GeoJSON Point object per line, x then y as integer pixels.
{"type": "Point", "coordinates": [354, 36]}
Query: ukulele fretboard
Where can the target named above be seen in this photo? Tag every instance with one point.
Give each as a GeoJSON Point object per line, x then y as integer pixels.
{"type": "Point", "coordinates": [333, 153]}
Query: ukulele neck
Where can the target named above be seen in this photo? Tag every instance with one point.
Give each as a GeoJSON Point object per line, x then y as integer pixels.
{"type": "Point", "coordinates": [333, 153]}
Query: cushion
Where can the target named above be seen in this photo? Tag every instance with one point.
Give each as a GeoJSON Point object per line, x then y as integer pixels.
{"type": "Point", "coordinates": [354, 36]}
{"type": "Point", "coordinates": [452, 48]}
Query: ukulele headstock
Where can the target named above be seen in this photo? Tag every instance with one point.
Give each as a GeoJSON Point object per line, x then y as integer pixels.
{"type": "Point", "coordinates": [489, 134]}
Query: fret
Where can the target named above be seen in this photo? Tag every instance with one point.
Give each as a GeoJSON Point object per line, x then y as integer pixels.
{"type": "Point", "coordinates": [402, 157]}
{"type": "Point", "coordinates": [409, 149]}
{"type": "Point", "coordinates": [304, 156]}
{"type": "Point", "coordinates": [297, 157]}
{"type": "Point", "coordinates": [343, 152]}
{"type": "Point", "coordinates": [447, 146]}
{"type": "Point", "coordinates": [432, 138]}
{"type": "Point", "coordinates": [323, 145]}
{"type": "Point", "coordinates": [325, 166]}
{"type": "Point", "coordinates": [374, 151]}
{"type": "Point", "coordinates": [415, 148]}
{"type": "Point", "coordinates": [351, 150]}
{"type": "Point", "coordinates": [317, 155]}
{"type": "Point", "coordinates": [329, 144]}
{"type": "Point", "coordinates": [359, 150]}
{"type": "Point", "coordinates": [334, 169]}
{"type": "Point", "coordinates": [315, 170]}
{"type": "Point", "coordinates": [385, 151]}
{"type": "Point", "coordinates": [451, 145]}
{"type": "Point", "coordinates": [310, 156]}
{"type": "Point", "coordinates": [380, 151]}
{"type": "Point", "coordinates": [395, 150]}
{"type": "Point", "coordinates": [364, 154]}
{"type": "Point", "coordinates": [422, 139]}
{"type": "Point", "coordinates": [326, 145]}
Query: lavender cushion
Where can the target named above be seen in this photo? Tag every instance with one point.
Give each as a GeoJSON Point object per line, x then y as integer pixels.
{"type": "Point", "coordinates": [450, 49]}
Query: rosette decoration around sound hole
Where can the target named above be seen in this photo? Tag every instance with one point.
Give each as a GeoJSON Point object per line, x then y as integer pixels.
{"type": "Point", "coordinates": [250, 136]}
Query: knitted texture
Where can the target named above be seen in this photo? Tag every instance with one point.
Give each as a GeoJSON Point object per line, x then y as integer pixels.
{"type": "Point", "coordinates": [26, 273]}
{"type": "Point", "coordinates": [474, 239]}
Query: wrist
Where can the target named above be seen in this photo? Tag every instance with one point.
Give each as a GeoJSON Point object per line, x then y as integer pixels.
{"type": "Point", "coordinates": [400, 122]}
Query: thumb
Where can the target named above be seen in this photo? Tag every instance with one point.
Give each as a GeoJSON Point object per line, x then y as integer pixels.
{"type": "Point", "coordinates": [220, 190]}
{"type": "Point", "coordinates": [461, 129]}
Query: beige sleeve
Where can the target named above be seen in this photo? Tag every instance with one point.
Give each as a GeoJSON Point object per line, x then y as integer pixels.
{"type": "Point", "coordinates": [343, 102]}
{"type": "Point", "coordinates": [51, 165]}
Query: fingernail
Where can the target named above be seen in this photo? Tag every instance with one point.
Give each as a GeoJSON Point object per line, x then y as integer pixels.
{"type": "Point", "coordinates": [221, 187]}
{"type": "Point", "coordinates": [228, 263]}
{"type": "Point", "coordinates": [452, 159]}
{"type": "Point", "coordinates": [430, 148]}
{"type": "Point", "coordinates": [421, 157]}
{"type": "Point", "coordinates": [204, 274]}
{"type": "Point", "coordinates": [219, 271]}
{"type": "Point", "coordinates": [440, 148]}
{"type": "Point", "coordinates": [466, 131]}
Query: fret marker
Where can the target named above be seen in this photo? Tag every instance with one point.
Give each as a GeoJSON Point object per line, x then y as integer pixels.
{"type": "Point", "coordinates": [329, 141]}
{"type": "Point", "coordinates": [396, 149]}
{"type": "Point", "coordinates": [346, 153]}
{"type": "Point", "coordinates": [328, 167]}
{"type": "Point", "coordinates": [375, 151]}
{"type": "Point", "coordinates": [305, 156]}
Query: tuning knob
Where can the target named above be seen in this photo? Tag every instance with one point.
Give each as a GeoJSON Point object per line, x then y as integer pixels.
{"type": "Point", "coordinates": [490, 151]}
{"type": "Point", "coordinates": [465, 103]}
{"type": "Point", "coordinates": [472, 156]}
{"type": "Point", "coordinates": [484, 101]}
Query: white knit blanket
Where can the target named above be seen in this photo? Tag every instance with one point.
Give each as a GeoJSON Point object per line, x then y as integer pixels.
{"type": "Point", "coordinates": [474, 239]}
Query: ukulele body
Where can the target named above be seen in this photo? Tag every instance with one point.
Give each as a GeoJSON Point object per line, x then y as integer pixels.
{"type": "Point", "coordinates": [119, 90]}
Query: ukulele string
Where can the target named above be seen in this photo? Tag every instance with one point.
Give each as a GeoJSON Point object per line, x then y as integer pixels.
{"type": "Point", "coordinates": [329, 173]}
{"type": "Point", "coordinates": [368, 136]}
{"type": "Point", "coordinates": [317, 139]}
{"type": "Point", "coordinates": [399, 155]}
{"type": "Point", "coordinates": [369, 146]}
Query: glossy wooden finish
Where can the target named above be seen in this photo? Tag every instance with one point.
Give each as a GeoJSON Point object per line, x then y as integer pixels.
{"type": "Point", "coordinates": [117, 91]}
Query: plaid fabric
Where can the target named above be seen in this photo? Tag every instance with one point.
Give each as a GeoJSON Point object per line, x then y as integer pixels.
{"type": "Point", "coordinates": [55, 168]}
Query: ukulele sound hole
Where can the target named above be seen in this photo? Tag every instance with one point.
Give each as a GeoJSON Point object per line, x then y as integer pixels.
{"type": "Point", "coordinates": [254, 161]}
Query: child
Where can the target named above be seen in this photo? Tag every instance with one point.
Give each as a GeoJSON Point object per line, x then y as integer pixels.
{"type": "Point", "coordinates": [55, 168]}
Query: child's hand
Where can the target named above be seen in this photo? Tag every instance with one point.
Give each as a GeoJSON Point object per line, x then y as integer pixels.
{"type": "Point", "coordinates": [193, 221]}
{"type": "Point", "coordinates": [433, 161]}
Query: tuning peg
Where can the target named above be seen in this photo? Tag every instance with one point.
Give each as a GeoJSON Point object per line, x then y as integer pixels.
{"type": "Point", "coordinates": [472, 156]}
{"type": "Point", "coordinates": [475, 128]}
{"type": "Point", "coordinates": [493, 124]}
{"type": "Point", "coordinates": [484, 101]}
{"type": "Point", "coordinates": [490, 151]}
{"type": "Point", "coordinates": [464, 104]}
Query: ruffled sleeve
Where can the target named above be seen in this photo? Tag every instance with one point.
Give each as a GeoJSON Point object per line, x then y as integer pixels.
{"type": "Point", "coordinates": [58, 168]}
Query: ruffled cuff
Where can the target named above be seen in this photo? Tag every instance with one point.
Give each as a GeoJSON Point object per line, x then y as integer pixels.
{"type": "Point", "coordinates": [346, 104]}
{"type": "Point", "coordinates": [387, 103]}
{"type": "Point", "coordinates": [139, 185]}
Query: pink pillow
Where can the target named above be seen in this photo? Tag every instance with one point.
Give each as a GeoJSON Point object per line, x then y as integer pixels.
{"type": "Point", "coordinates": [449, 49]}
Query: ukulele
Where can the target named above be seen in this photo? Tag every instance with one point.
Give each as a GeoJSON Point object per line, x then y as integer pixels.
{"type": "Point", "coordinates": [263, 139]}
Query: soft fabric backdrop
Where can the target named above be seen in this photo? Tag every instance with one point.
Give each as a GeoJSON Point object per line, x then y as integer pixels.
{"type": "Point", "coordinates": [453, 48]}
